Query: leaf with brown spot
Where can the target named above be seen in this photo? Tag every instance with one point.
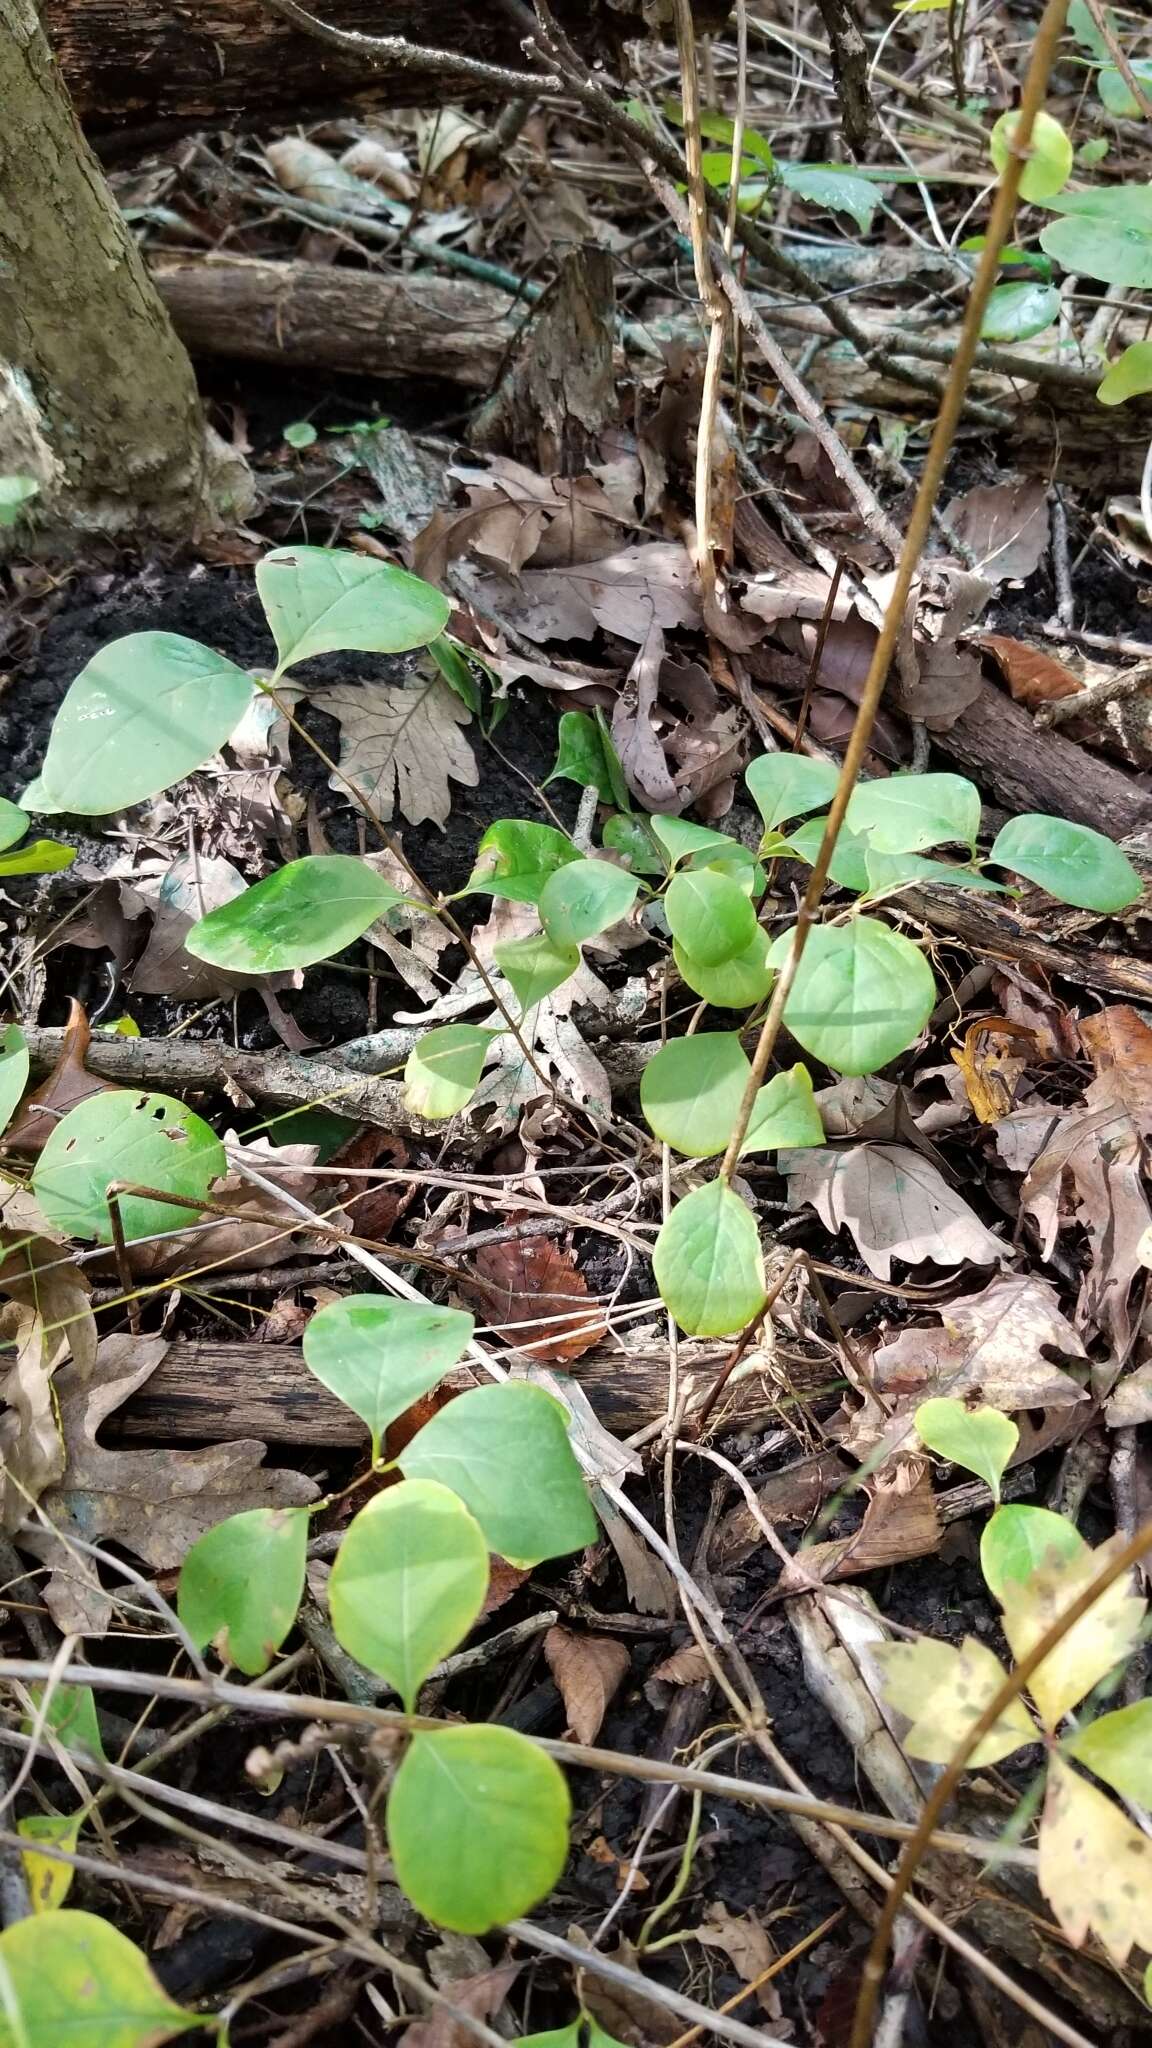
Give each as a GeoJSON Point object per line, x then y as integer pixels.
{"type": "Point", "coordinates": [1032, 676]}
{"type": "Point", "coordinates": [1095, 1867]}
{"type": "Point", "coordinates": [522, 1287]}
{"type": "Point", "coordinates": [589, 1671]}
{"type": "Point", "coordinates": [943, 1691]}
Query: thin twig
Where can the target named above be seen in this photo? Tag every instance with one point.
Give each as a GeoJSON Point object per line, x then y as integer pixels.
{"type": "Point", "coordinates": [398, 54]}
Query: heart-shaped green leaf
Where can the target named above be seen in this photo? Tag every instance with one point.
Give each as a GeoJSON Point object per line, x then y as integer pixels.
{"type": "Point", "coordinates": [1070, 861]}
{"type": "Point", "coordinates": [477, 1826]}
{"type": "Point", "coordinates": [37, 857]}
{"type": "Point", "coordinates": [241, 1582]}
{"type": "Point", "coordinates": [534, 967]}
{"type": "Point", "coordinates": [1116, 93]}
{"type": "Point", "coordinates": [307, 911]}
{"type": "Point", "coordinates": [584, 898]}
{"type": "Point", "coordinates": [708, 1263]}
{"type": "Point", "coordinates": [328, 600]}
{"type": "Point", "coordinates": [1049, 154]}
{"type": "Point", "coordinates": [691, 1090]}
{"type": "Point", "coordinates": [1106, 233]}
{"type": "Point", "coordinates": [1118, 1747]}
{"type": "Point", "coordinates": [505, 1451]}
{"type": "Point", "coordinates": [515, 859]}
{"type": "Point", "coordinates": [146, 711]}
{"type": "Point", "coordinates": [980, 1439]}
{"type": "Point", "coordinates": [836, 190]}
{"type": "Point", "coordinates": [906, 813]}
{"type": "Point", "coordinates": [444, 1067]}
{"type": "Point", "coordinates": [71, 1980]}
{"type": "Point", "coordinates": [862, 994]}
{"type": "Point", "coordinates": [1130, 376]}
{"type": "Point", "coordinates": [147, 1141]}
{"type": "Point", "coordinates": [786, 1114]}
{"type": "Point", "coordinates": [378, 1356]}
{"type": "Point", "coordinates": [709, 915]}
{"type": "Point", "coordinates": [13, 823]}
{"type": "Point", "coordinates": [586, 755]}
{"type": "Point", "coordinates": [1019, 1541]}
{"type": "Point", "coordinates": [1015, 312]}
{"type": "Point", "coordinates": [13, 1070]}
{"type": "Point", "coordinates": [789, 785]}
{"type": "Point", "coordinates": [409, 1580]}
{"type": "Point", "coordinates": [734, 983]}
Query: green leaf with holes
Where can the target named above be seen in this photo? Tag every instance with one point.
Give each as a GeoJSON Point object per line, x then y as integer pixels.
{"type": "Point", "coordinates": [1118, 1747]}
{"type": "Point", "coordinates": [1130, 376]}
{"type": "Point", "coordinates": [692, 1088]}
{"type": "Point", "coordinates": [13, 823]}
{"type": "Point", "coordinates": [709, 915]}
{"type": "Point", "coordinates": [307, 911]}
{"type": "Point", "coordinates": [790, 785]}
{"type": "Point", "coordinates": [443, 1069]}
{"type": "Point", "coordinates": [142, 714]}
{"type": "Point", "coordinates": [734, 983]}
{"type": "Point", "coordinates": [906, 813]}
{"type": "Point", "coordinates": [583, 899]}
{"type": "Point", "coordinates": [1049, 156]}
{"type": "Point", "coordinates": [515, 859]}
{"type": "Point", "coordinates": [14, 1065]}
{"type": "Point", "coordinates": [330, 600]}
{"type": "Point", "coordinates": [410, 1579]}
{"type": "Point", "coordinates": [1020, 1540]}
{"type": "Point", "coordinates": [1105, 233]}
{"type": "Point", "coordinates": [505, 1451]}
{"type": "Point", "coordinates": [149, 1141]}
{"type": "Point", "coordinates": [862, 994]}
{"type": "Point", "coordinates": [71, 1980]}
{"type": "Point", "coordinates": [379, 1356]}
{"type": "Point", "coordinates": [1071, 861]}
{"type": "Point", "coordinates": [1015, 312]}
{"type": "Point", "coordinates": [241, 1582]}
{"type": "Point", "coordinates": [477, 1826]}
{"type": "Point", "coordinates": [708, 1263]}
{"type": "Point", "coordinates": [982, 1440]}
{"type": "Point", "coordinates": [535, 967]}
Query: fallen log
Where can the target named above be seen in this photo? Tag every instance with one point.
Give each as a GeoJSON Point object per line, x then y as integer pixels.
{"type": "Point", "coordinates": [311, 317]}
{"type": "Point", "coordinates": [1025, 767]}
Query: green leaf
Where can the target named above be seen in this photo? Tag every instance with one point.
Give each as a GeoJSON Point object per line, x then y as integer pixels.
{"type": "Point", "coordinates": [691, 1090]}
{"type": "Point", "coordinates": [1093, 151]}
{"type": "Point", "coordinates": [307, 911]}
{"type": "Point", "coordinates": [241, 1582]}
{"type": "Point", "coordinates": [443, 1069]}
{"type": "Point", "coordinates": [1105, 233]}
{"type": "Point", "coordinates": [329, 600]}
{"type": "Point", "coordinates": [505, 1451]}
{"type": "Point", "coordinates": [848, 867]}
{"type": "Point", "coordinates": [453, 665]}
{"type": "Point", "coordinates": [980, 1439]}
{"type": "Point", "coordinates": [836, 190]}
{"type": "Point", "coordinates": [72, 1717]}
{"type": "Point", "coordinates": [300, 434]}
{"type": "Point", "coordinates": [1130, 376]}
{"type": "Point", "coordinates": [1017, 311]}
{"type": "Point", "coordinates": [534, 966]}
{"type": "Point", "coordinates": [144, 712]}
{"type": "Point", "coordinates": [477, 1826]}
{"type": "Point", "coordinates": [884, 871]}
{"type": "Point", "coordinates": [49, 1882]}
{"type": "Point", "coordinates": [586, 755]}
{"type": "Point", "coordinates": [1082, 25]}
{"type": "Point", "coordinates": [409, 1581]}
{"type": "Point", "coordinates": [148, 1141]}
{"type": "Point", "coordinates": [70, 1980]}
{"type": "Point", "coordinates": [790, 785]}
{"type": "Point", "coordinates": [709, 916]}
{"type": "Point", "coordinates": [732, 984]}
{"type": "Point", "coordinates": [1049, 155]}
{"type": "Point", "coordinates": [13, 1070]}
{"type": "Point", "coordinates": [37, 857]}
{"type": "Point", "coordinates": [1071, 861]}
{"type": "Point", "coordinates": [1116, 93]}
{"type": "Point", "coordinates": [862, 994]}
{"type": "Point", "coordinates": [378, 1356]}
{"type": "Point", "coordinates": [583, 898]}
{"type": "Point", "coordinates": [514, 860]}
{"type": "Point", "coordinates": [554, 2037]}
{"type": "Point", "coordinates": [1019, 1541]}
{"type": "Point", "coordinates": [906, 813]}
{"type": "Point", "coordinates": [708, 1263]}
{"type": "Point", "coordinates": [721, 128]}
{"type": "Point", "coordinates": [632, 839]}
{"type": "Point", "coordinates": [15, 491]}
{"type": "Point", "coordinates": [681, 839]}
{"type": "Point", "coordinates": [13, 823]}
{"type": "Point", "coordinates": [1118, 1747]}
{"type": "Point", "coordinates": [786, 1114]}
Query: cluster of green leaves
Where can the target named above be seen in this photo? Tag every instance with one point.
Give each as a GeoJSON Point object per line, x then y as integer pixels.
{"type": "Point", "coordinates": [36, 856]}
{"type": "Point", "coordinates": [762, 173]}
{"type": "Point", "coordinates": [1095, 1867]}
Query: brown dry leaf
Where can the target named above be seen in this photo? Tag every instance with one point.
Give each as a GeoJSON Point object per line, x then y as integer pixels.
{"type": "Point", "coordinates": [50, 1318]}
{"type": "Point", "coordinates": [401, 745]}
{"type": "Point", "coordinates": [153, 1502]}
{"type": "Point", "coordinates": [1006, 527]}
{"type": "Point", "coordinates": [1032, 676]}
{"type": "Point", "coordinates": [628, 1876]}
{"type": "Point", "coordinates": [589, 1671]}
{"type": "Point", "coordinates": [686, 1666]}
{"type": "Point", "coordinates": [896, 1204]}
{"type": "Point", "coordinates": [993, 1060]}
{"type": "Point", "coordinates": [371, 159]}
{"type": "Point", "coordinates": [626, 593]}
{"type": "Point", "coordinates": [634, 735]}
{"type": "Point", "coordinates": [522, 1287]}
{"type": "Point", "coordinates": [513, 516]}
{"type": "Point", "coordinates": [990, 1344]}
{"type": "Point", "coordinates": [480, 1996]}
{"type": "Point", "coordinates": [265, 1231]}
{"type": "Point", "coordinates": [627, 2015]}
{"type": "Point", "coordinates": [504, 1580]}
{"type": "Point", "coordinates": [948, 678]}
{"type": "Point", "coordinates": [1095, 1866]}
{"type": "Point", "coordinates": [36, 1117]}
{"type": "Point", "coordinates": [307, 170]}
{"type": "Point", "coordinates": [416, 958]}
{"type": "Point", "coordinates": [747, 1945]}
{"type": "Point", "coordinates": [900, 1522]}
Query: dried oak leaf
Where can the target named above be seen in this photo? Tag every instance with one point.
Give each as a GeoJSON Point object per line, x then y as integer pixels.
{"type": "Point", "coordinates": [896, 1204]}
{"type": "Point", "coordinates": [153, 1502]}
{"type": "Point", "coordinates": [1006, 527]}
{"type": "Point", "coordinates": [1032, 676]}
{"type": "Point", "coordinates": [401, 744]}
{"type": "Point", "coordinates": [989, 1344]}
{"type": "Point", "coordinates": [521, 1287]}
{"type": "Point", "coordinates": [589, 1671]}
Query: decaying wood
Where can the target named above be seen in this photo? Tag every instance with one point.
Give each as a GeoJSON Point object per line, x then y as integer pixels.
{"type": "Point", "coordinates": [213, 1393]}
{"type": "Point", "coordinates": [1024, 768]}
{"type": "Point", "coordinates": [993, 929]}
{"type": "Point", "coordinates": [558, 393]}
{"type": "Point", "coordinates": [313, 317]}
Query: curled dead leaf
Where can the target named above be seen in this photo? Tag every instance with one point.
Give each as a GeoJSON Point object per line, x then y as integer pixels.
{"type": "Point", "coordinates": [1033, 677]}
{"type": "Point", "coordinates": [535, 1297]}
{"type": "Point", "coordinates": [69, 1082]}
{"type": "Point", "coordinates": [589, 1671]}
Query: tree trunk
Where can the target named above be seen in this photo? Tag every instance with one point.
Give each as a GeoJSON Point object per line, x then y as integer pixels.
{"type": "Point", "coordinates": [98, 401]}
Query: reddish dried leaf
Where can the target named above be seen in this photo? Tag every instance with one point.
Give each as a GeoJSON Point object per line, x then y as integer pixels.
{"type": "Point", "coordinates": [504, 1579]}
{"type": "Point", "coordinates": [1032, 676]}
{"type": "Point", "coordinates": [479, 1996]}
{"type": "Point", "coordinates": [524, 1288]}
{"type": "Point", "coordinates": [589, 1670]}
{"type": "Point", "coordinates": [69, 1083]}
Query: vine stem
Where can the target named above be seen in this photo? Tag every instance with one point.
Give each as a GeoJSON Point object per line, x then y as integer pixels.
{"type": "Point", "coordinates": [1120, 1562]}
{"type": "Point", "coordinates": [998, 233]}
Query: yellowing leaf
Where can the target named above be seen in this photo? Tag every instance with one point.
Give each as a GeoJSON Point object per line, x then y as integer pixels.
{"type": "Point", "coordinates": [1090, 1648]}
{"type": "Point", "coordinates": [943, 1691]}
{"type": "Point", "coordinates": [1095, 1867]}
{"type": "Point", "coordinates": [49, 1882]}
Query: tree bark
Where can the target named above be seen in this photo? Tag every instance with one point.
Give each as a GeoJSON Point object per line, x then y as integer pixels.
{"type": "Point", "coordinates": [98, 401]}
